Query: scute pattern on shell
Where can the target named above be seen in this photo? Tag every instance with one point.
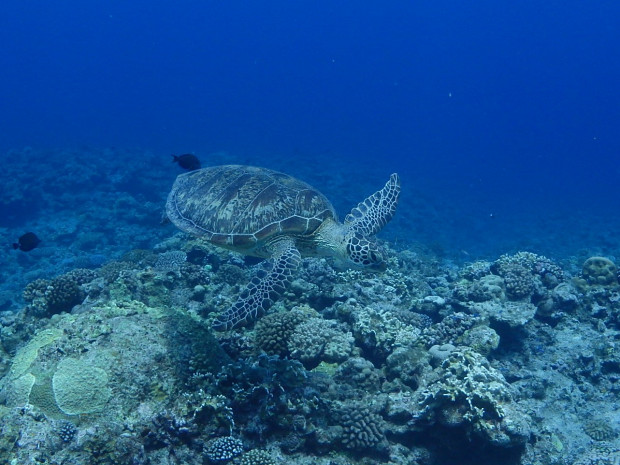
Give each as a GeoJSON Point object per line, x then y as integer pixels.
{"type": "Point", "coordinates": [239, 207]}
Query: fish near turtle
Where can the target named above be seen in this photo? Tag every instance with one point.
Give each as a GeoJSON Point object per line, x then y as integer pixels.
{"type": "Point", "coordinates": [263, 213]}
{"type": "Point", "coordinates": [27, 242]}
{"type": "Point", "coordinates": [187, 161]}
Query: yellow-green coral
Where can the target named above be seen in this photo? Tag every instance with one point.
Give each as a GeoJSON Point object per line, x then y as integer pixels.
{"type": "Point", "coordinates": [79, 387]}
{"type": "Point", "coordinates": [28, 354]}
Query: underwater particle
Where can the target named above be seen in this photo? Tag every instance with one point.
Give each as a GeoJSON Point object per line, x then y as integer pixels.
{"type": "Point", "coordinates": [266, 214]}
{"type": "Point", "coordinates": [223, 449]}
{"type": "Point", "coordinates": [600, 271]}
{"type": "Point", "coordinates": [79, 387]}
{"type": "Point", "coordinates": [27, 242]}
{"type": "Point", "coordinates": [187, 161]}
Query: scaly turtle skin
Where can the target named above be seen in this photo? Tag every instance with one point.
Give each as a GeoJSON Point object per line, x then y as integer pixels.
{"type": "Point", "coordinates": [260, 212]}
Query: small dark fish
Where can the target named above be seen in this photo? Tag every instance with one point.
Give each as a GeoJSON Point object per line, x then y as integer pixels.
{"type": "Point", "coordinates": [27, 242]}
{"type": "Point", "coordinates": [187, 161]}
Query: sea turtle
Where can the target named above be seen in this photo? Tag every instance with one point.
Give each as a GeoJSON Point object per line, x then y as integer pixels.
{"type": "Point", "coordinates": [264, 213]}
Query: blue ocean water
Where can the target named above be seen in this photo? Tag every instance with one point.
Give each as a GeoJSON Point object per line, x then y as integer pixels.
{"type": "Point", "coordinates": [502, 119]}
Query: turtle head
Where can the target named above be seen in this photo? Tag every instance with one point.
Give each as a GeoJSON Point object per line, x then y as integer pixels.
{"type": "Point", "coordinates": [362, 252]}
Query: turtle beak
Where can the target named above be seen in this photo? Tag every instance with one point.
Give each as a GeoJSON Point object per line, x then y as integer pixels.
{"type": "Point", "coordinates": [378, 262]}
{"type": "Point", "coordinates": [380, 266]}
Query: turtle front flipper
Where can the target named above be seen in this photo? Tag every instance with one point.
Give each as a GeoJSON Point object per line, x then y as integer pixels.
{"type": "Point", "coordinates": [264, 289]}
{"type": "Point", "coordinates": [371, 215]}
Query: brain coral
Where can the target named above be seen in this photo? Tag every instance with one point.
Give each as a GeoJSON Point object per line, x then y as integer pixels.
{"type": "Point", "coordinates": [600, 271]}
{"type": "Point", "coordinates": [79, 387]}
{"type": "Point", "coordinates": [362, 429]}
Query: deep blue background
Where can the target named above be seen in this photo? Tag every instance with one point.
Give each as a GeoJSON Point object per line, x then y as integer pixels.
{"type": "Point", "coordinates": [503, 116]}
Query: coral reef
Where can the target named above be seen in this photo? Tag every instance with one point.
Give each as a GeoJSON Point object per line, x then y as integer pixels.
{"type": "Point", "coordinates": [512, 361]}
{"type": "Point", "coordinates": [466, 391]}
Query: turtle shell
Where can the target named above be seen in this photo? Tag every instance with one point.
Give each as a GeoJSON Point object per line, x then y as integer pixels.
{"type": "Point", "coordinates": [242, 207]}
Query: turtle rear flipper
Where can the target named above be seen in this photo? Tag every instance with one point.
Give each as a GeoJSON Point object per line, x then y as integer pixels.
{"type": "Point", "coordinates": [264, 289]}
{"type": "Point", "coordinates": [371, 215]}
